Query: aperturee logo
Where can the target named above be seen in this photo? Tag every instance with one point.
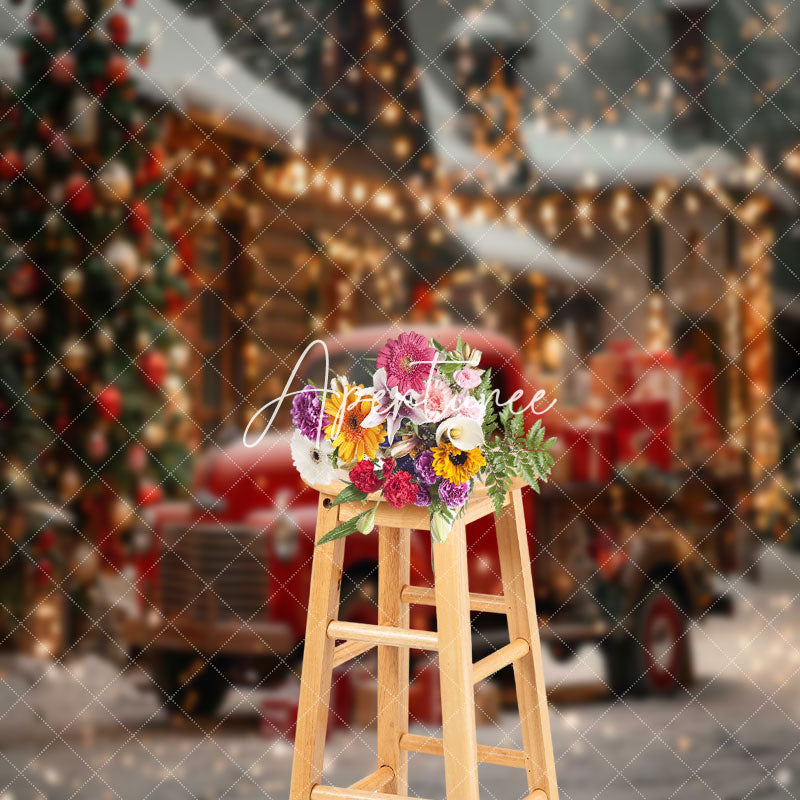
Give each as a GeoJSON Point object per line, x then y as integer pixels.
{"type": "Point", "coordinates": [427, 429]}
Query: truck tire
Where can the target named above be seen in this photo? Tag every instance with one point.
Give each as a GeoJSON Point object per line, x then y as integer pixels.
{"type": "Point", "coordinates": [656, 658]}
{"type": "Point", "coordinates": [189, 684]}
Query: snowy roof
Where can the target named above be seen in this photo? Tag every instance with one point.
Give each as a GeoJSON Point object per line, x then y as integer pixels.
{"type": "Point", "coordinates": [483, 28]}
{"type": "Point", "coordinates": [601, 157]}
{"type": "Point", "coordinates": [615, 155]}
{"type": "Point", "coordinates": [519, 248]}
{"type": "Point", "coordinates": [186, 64]}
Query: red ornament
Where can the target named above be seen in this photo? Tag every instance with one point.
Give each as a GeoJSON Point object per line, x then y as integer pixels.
{"type": "Point", "coordinates": [46, 540]}
{"type": "Point", "coordinates": [97, 446]}
{"type": "Point", "coordinates": [61, 422]}
{"type": "Point", "coordinates": [78, 194]}
{"type": "Point", "coordinates": [45, 131]}
{"type": "Point", "coordinates": [110, 402]}
{"type": "Point", "coordinates": [154, 165]}
{"type": "Point", "coordinates": [24, 280]}
{"type": "Point", "coordinates": [154, 368]}
{"type": "Point", "coordinates": [148, 493]}
{"type": "Point", "coordinates": [118, 29]}
{"type": "Point", "coordinates": [137, 458]}
{"type": "Point", "coordinates": [42, 28]}
{"type": "Point", "coordinates": [11, 165]}
{"type": "Point", "coordinates": [129, 3]}
{"type": "Point", "coordinates": [60, 147]}
{"type": "Point", "coordinates": [173, 301]}
{"type": "Point", "coordinates": [62, 69]}
{"type": "Point", "coordinates": [44, 571]}
{"type": "Point", "coordinates": [117, 68]}
{"type": "Point", "coordinates": [139, 219]}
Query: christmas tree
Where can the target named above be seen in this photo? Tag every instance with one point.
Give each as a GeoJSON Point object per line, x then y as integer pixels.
{"type": "Point", "coordinates": [91, 414]}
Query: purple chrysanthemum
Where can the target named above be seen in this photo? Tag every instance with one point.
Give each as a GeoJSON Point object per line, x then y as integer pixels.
{"type": "Point", "coordinates": [423, 497]}
{"type": "Point", "coordinates": [454, 495]}
{"type": "Point", "coordinates": [306, 412]}
{"type": "Point", "coordinates": [423, 466]}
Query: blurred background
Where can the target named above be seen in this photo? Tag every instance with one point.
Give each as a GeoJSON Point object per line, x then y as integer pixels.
{"type": "Point", "coordinates": [601, 196]}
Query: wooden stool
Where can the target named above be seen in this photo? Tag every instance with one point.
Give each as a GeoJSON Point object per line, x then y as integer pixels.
{"type": "Point", "coordinates": [453, 641]}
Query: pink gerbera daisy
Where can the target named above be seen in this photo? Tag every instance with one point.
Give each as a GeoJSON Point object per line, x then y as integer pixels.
{"type": "Point", "coordinates": [407, 361]}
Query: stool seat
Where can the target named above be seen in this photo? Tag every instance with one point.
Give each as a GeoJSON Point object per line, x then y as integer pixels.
{"type": "Point", "coordinates": [479, 505]}
{"type": "Point", "coordinates": [394, 638]}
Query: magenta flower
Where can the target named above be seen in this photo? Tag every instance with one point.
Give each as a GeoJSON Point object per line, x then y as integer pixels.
{"type": "Point", "coordinates": [407, 361]}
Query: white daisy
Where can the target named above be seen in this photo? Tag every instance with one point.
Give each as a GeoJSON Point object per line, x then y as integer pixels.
{"type": "Point", "coordinates": [312, 462]}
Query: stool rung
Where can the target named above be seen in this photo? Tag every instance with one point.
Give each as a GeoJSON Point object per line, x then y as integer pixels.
{"type": "Point", "coordinates": [537, 794]}
{"type": "Point", "coordinates": [488, 754]}
{"type": "Point", "coordinates": [512, 652]}
{"type": "Point", "coordinates": [320, 792]}
{"type": "Point", "coordinates": [383, 635]}
{"type": "Point", "coordinates": [347, 650]}
{"type": "Point", "coordinates": [375, 781]}
{"type": "Point", "coordinates": [423, 596]}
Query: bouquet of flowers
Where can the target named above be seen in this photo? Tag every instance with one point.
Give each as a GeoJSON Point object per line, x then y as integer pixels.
{"type": "Point", "coordinates": [427, 429]}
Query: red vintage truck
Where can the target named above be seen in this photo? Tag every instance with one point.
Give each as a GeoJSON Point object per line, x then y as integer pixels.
{"type": "Point", "coordinates": [224, 577]}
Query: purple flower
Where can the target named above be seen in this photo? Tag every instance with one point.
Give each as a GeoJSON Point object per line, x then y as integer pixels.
{"type": "Point", "coordinates": [423, 497]}
{"type": "Point", "coordinates": [454, 495]}
{"type": "Point", "coordinates": [306, 412]}
{"type": "Point", "coordinates": [423, 466]}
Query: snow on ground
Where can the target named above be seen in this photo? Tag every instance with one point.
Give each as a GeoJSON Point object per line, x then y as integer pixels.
{"type": "Point", "coordinates": [735, 736]}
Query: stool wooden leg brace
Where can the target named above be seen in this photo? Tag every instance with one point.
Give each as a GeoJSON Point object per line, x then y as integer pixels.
{"type": "Point", "coordinates": [453, 641]}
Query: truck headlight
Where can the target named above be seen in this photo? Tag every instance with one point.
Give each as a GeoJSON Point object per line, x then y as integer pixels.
{"type": "Point", "coordinates": [141, 540]}
{"type": "Point", "coordinates": [285, 539]}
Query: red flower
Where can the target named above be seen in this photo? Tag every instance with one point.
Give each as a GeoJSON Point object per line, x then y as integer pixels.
{"type": "Point", "coordinates": [388, 467]}
{"type": "Point", "coordinates": [364, 478]}
{"type": "Point", "coordinates": [399, 490]}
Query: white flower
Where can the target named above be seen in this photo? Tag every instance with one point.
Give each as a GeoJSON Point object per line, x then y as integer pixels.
{"type": "Point", "coordinates": [461, 431]}
{"type": "Point", "coordinates": [313, 463]}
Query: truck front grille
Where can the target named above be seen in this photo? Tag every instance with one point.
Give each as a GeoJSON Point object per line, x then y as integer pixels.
{"type": "Point", "coordinates": [213, 574]}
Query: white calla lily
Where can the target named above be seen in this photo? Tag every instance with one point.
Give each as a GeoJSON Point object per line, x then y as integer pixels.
{"type": "Point", "coordinates": [463, 432]}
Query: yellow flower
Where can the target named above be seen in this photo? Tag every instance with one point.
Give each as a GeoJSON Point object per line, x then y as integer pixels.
{"type": "Point", "coordinates": [456, 466]}
{"type": "Point", "coordinates": [347, 410]}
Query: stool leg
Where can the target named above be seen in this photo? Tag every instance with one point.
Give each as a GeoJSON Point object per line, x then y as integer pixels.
{"type": "Point", "coordinates": [315, 685]}
{"type": "Point", "coordinates": [515, 567]}
{"type": "Point", "coordinates": [394, 572]}
{"type": "Point", "coordinates": [455, 666]}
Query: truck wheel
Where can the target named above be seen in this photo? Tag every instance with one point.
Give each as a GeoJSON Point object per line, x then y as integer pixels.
{"type": "Point", "coordinates": [189, 684]}
{"type": "Point", "coordinates": [656, 658]}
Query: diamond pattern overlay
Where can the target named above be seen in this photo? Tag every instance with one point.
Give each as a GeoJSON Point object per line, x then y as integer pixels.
{"type": "Point", "coordinates": [609, 187]}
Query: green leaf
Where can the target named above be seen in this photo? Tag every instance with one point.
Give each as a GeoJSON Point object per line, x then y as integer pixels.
{"type": "Point", "coordinates": [348, 495]}
{"type": "Point", "coordinates": [344, 529]}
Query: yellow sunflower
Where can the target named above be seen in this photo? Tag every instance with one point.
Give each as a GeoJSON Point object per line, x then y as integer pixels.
{"type": "Point", "coordinates": [456, 466]}
{"type": "Point", "coordinates": [345, 431]}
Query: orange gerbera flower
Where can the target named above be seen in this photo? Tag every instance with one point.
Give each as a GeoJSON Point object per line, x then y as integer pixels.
{"type": "Point", "coordinates": [347, 410]}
